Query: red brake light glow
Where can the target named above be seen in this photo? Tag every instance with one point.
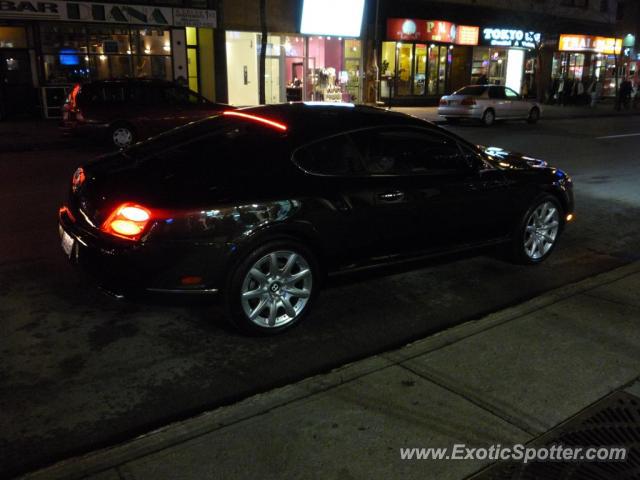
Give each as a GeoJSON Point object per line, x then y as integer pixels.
{"type": "Point", "coordinates": [72, 96]}
{"type": "Point", "coordinates": [255, 118]}
{"type": "Point", "coordinates": [127, 221]}
{"type": "Point", "coordinates": [78, 179]}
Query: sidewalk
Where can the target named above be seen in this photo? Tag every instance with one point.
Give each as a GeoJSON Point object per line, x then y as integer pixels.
{"type": "Point", "coordinates": [549, 112]}
{"type": "Point", "coordinates": [506, 378]}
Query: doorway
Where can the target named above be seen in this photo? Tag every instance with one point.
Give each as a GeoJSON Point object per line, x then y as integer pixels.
{"type": "Point", "coordinates": [17, 94]}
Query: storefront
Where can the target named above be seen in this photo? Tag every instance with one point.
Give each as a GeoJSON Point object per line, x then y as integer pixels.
{"type": "Point", "coordinates": [585, 59]}
{"type": "Point", "coordinates": [422, 60]}
{"type": "Point", "coordinates": [506, 56]}
{"type": "Point", "coordinates": [68, 42]}
{"type": "Point", "coordinates": [297, 67]}
{"type": "Point", "coordinates": [320, 62]}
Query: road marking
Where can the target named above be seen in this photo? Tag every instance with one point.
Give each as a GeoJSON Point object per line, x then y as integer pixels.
{"type": "Point", "coordinates": [620, 136]}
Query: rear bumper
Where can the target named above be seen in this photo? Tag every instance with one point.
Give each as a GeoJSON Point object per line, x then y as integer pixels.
{"type": "Point", "coordinates": [126, 268]}
{"type": "Point", "coordinates": [461, 112]}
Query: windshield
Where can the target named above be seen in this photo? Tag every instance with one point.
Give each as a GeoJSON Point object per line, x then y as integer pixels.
{"type": "Point", "coordinates": [475, 90]}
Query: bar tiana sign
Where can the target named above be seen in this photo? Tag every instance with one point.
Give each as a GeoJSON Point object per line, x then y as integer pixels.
{"type": "Point", "coordinates": [107, 13]}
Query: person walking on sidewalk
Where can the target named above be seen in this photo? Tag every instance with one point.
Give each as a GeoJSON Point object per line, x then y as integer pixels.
{"type": "Point", "coordinates": [595, 90]}
{"type": "Point", "coordinates": [624, 94]}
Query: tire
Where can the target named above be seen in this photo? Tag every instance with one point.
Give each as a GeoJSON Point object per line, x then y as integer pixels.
{"type": "Point", "coordinates": [122, 135]}
{"type": "Point", "coordinates": [272, 304]}
{"type": "Point", "coordinates": [489, 117]}
{"type": "Point", "coordinates": [534, 115]}
{"type": "Point", "coordinates": [537, 233]}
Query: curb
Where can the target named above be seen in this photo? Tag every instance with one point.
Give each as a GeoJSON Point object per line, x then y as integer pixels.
{"type": "Point", "coordinates": [178, 432]}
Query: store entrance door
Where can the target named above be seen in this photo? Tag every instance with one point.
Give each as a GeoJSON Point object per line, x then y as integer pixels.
{"type": "Point", "coordinates": [17, 95]}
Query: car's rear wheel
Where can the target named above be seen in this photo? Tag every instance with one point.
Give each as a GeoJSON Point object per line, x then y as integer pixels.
{"type": "Point", "coordinates": [273, 288]}
{"type": "Point", "coordinates": [122, 135]}
{"type": "Point", "coordinates": [534, 115]}
{"type": "Point", "coordinates": [537, 233]}
{"type": "Point", "coordinates": [489, 117]}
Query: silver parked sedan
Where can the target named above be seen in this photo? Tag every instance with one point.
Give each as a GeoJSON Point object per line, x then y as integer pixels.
{"type": "Point", "coordinates": [488, 103]}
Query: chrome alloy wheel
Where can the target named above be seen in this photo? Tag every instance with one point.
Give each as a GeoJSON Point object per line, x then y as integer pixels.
{"type": "Point", "coordinates": [276, 289]}
{"type": "Point", "coordinates": [541, 230]}
{"type": "Point", "coordinates": [122, 137]}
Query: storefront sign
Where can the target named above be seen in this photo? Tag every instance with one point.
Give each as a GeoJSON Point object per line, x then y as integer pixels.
{"type": "Point", "coordinates": [509, 37]}
{"type": "Point", "coordinates": [191, 17]}
{"type": "Point", "coordinates": [106, 13]}
{"type": "Point", "coordinates": [589, 43]}
{"type": "Point", "coordinates": [408, 29]}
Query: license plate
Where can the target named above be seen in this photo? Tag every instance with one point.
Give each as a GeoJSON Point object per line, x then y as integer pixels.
{"type": "Point", "coordinates": [452, 102]}
{"type": "Point", "coordinates": [67, 242]}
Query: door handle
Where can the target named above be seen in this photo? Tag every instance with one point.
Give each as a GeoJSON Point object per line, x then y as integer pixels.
{"type": "Point", "coordinates": [393, 196]}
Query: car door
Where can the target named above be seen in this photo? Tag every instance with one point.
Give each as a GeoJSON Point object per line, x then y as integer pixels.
{"type": "Point", "coordinates": [340, 201]}
{"type": "Point", "coordinates": [519, 107]}
{"type": "Point", "coordinates": [448, 199]}
{"type": "Point", "coordinates": [501, 105]}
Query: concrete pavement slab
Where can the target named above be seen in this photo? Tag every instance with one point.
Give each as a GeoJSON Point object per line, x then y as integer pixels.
{"type": "Point", "coordinates": [538, 370]}
{"type": "Point", "coordinates": [634, 388]}
{"type": "Point", "coordinates": [629, 295]}
{"type": "Point", "coordinates": [340, 434]}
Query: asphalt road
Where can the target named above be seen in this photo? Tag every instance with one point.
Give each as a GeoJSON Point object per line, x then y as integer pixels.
{"type": "Point", "coordinates": [81, 370]}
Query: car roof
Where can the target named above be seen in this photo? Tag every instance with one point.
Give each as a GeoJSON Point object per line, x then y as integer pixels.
{"type": "Point", "coordinates": [307, 121]}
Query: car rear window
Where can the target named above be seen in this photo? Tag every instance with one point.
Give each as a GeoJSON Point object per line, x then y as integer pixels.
{"type": "Point", "coordinates": [217, 146]}
{"type": "Point", "coordinates": [475, 90]}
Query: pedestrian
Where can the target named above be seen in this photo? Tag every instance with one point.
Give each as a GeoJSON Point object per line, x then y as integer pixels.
{"type": "Point", "coordinates": [560, 92]}
{"type": "Point", "coordinates": [594, 91]}
{"type": "Point", "coordinates": [624, 94]}
{"type": "Point", "coordinates": [482, 79]}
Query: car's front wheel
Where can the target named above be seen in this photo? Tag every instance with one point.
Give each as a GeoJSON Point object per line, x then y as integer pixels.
{"type": "Point", "coordinates": [489, 117]}
{"type": "Point", "coordinates": [122, 135]}
{"type": "Point", "coordinates": [534, 115]}
{"type": "Point", "coordinates": [537, 233]}
{"type": "Point", "coordinates": [273, 288]}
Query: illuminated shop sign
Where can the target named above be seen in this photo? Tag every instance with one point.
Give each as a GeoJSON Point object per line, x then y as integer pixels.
{"type": "Point", "coordinates": [589, 43]}
{"type": "Point", "coordinates": [509, 37]}
{"type": "Point", "coordinates": [409, 29]}
{"type": "Point", "coordinates": [106, 13]}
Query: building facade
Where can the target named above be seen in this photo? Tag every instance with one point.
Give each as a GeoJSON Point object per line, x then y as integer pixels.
{"type": "Point", "coordinates": [402, 51]}
{"type": "Point", "coordinates": [46, 47]}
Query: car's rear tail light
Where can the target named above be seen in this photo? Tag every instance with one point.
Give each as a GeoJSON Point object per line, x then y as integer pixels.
{"type": "Point", "coordinates": [256, 118]}
{"type": "Point", "coordinates": [127, 221]}
{"type": "Point", "coordinates": [443, 102]}
{"type": "Point", "coordinates": [468, 101]}
{"type": "Point", "coordinates": [72, 100]}
{"type": "Point", "coordinates": [78, 179]}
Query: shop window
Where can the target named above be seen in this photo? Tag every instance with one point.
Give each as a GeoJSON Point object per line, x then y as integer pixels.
{"type": "Point", "coordinates": [76, 52]}
{"type": "Point", "coordinates": [387, 69]}
{"type": "Point", "coordinates": [192, 59]}
{"type": "Point", "coordinates": [109, 40]}
{"type": "Point", "coordinates": [420, 70]}
{"type": "Point", "coordinates": [13, 37]}
{"type": "Point", "coordinates": [55, 37]}
{"type": "Point", "coordinates": [152, 41]}
{"type": "Point", "coordinates": [405, 56]}
{"type": "Point", "coordinates": [432, 78]}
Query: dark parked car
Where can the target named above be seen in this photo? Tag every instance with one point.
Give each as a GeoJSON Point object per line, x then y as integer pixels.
{"type": "Point", "coordinates": [125, 111]}
{"type": "Point", "coordinates": [260, 204]}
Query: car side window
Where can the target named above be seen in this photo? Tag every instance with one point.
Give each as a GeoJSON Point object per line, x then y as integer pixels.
{"type": "Point", "coordinates": [511, 94]}
{"type": "Point", "coordinates": [334, 156]}
{"type": "Point", "coordinates": [409, 152]}
{"type": "Point", "coordinates": [496, 93]}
